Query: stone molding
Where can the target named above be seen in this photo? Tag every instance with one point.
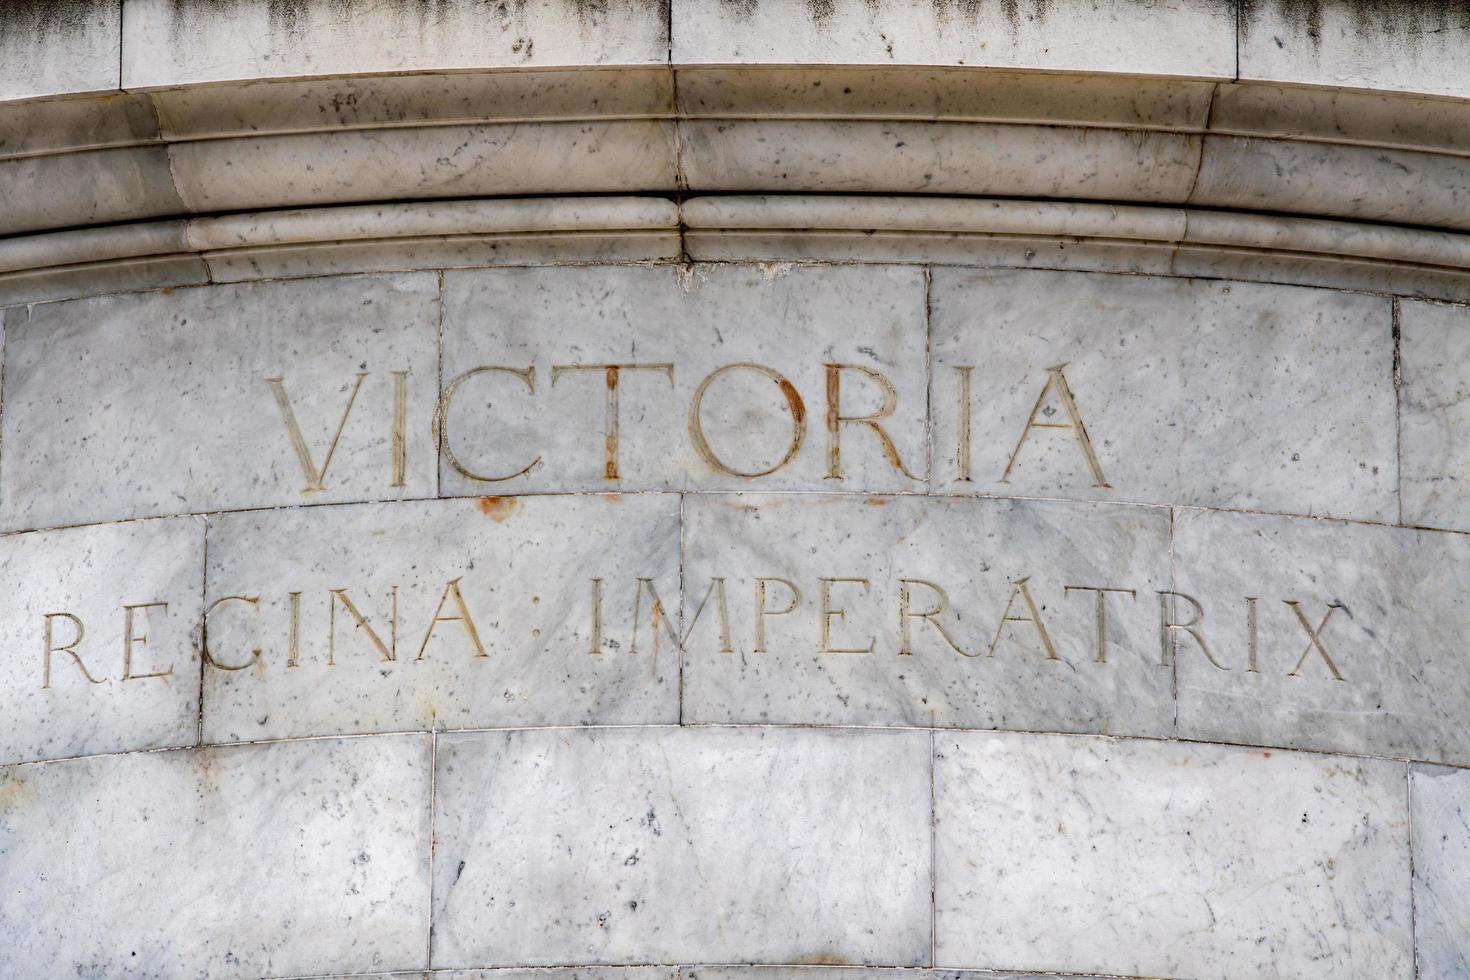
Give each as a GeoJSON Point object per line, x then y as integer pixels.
{"type": "Point", "coordinates": [1246, 180]}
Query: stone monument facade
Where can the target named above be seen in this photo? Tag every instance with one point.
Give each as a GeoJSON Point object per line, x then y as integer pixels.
{"type": "Point", "coordinates": [735, 489]}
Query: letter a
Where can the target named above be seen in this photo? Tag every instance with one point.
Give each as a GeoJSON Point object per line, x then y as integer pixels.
{"type": "Point", "coordinates": [1056, 380]}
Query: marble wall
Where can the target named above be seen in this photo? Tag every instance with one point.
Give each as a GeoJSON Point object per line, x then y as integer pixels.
{"type": "Point", "coordinates": [735, 621]}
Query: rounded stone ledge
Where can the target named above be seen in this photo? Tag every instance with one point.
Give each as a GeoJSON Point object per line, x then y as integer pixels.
{"type": "Point", "coordinates": [332, 241]}
{"type": "Point", "coordinates": [981, 232]}
{"type": "Point", "coordinates": [211, 148]}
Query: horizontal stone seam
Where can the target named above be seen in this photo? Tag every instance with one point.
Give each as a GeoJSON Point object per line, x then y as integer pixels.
{"type": "Point", "coordinates": [1079, 501]}
{"type": "Point", "coordinates": [899, 971]}
{"type": "Point", "coordinates": [933, 731]}
{"type": "Point", "coordinates": [1326, 261]}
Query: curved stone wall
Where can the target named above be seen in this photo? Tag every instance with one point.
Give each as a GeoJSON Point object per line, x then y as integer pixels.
{"type": "Point", "coordinates": [733, 491]}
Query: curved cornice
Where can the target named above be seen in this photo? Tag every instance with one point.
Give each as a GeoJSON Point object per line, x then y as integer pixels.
{"type": "Point", "coordinates": [1296, 184]}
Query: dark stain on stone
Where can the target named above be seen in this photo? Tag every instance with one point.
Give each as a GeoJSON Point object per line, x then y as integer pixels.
{"type": "Point", "coordinates": [1035, 10]}
{"type": "Point", "coordinates": [292, 17]}
{"type": "Point", "coordinates": [27, 19]}
{"type": "Point", "coordinates": [1402, 20]}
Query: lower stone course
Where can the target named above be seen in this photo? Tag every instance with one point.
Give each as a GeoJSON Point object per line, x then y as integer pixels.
{"type": "Point", "coordinates": [687, 845]}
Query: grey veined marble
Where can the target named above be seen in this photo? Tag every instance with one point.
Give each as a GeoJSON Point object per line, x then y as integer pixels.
{"type": "Point", "coordinates": [494, 612]}
{"type": "Point", "coordinates": [98, 637]}
{"type": "Point", "coordinates": [197, 399]}
{"type": "Point", "coordinates": [1435, 414]}
{"type": "Point", "coordinates": [267, 860]}
{"type": "Point", "coordinates": [1321, 635]}
{"type": "Point", "coordinates": [925, 611]}
{"type": "Point", "coordinates": [681, 845]}
{"type": "Point", "coordinates": [1441, 812]}
{"type": "Point", "coordinates": [706, 377]}
{"type": "Point", "coordinates": [1157, 859]}
{"type": "Point", "coordinates": [1220, 394]}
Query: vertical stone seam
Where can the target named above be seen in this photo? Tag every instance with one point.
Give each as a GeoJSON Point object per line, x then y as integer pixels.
{"type": "Point", "coordinates": [436, 431]}
{"type": "Point", "coordinates": [933, 855]}
{"type": "Point", "coordinates": [1199, 160]}
{"type": "Point", "coordinates": [5, 327]}
{"type": "Point", "coordinates": [679, 644]}
{"type": "Point", "coordinates": [1168, 639]}
{"type": "Point", "coordinates": [1409, 821]}
{"type": "Point", "coordinates": [122, 13]}
{"type": "Point", "coordinates": [1239, 27]}
{"type": "Point", "coordinates": [433, 842]}
{"type": "Point", "coordinates": [681, 183]}
{"type": "Point", "coordinates": [930, 463]}
{"type": "Point", "coordinates": [203, 633]}
{"type": "Point", "coordinates": [173, 180]}
{"type": "Point", "coordinates": [1395, 315]}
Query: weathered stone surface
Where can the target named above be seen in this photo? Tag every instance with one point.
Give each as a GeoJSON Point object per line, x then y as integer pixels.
{"type": "Point", "coordinates": [676, 845]}
{"type": "Point", "coordinates": [1441, 814]}
{"type": "Point", "coordinates": [566, 973]}
{"type": "Point", "coordinates": [744, 358]}
{"type": "Point", "coordinates": [907, 157]}
{"type": "Point", "coordinates": [597, 156]}
{"type": "Point", "coordinates": [377, 101]}
{"type": "Point", "coordinates": [1414, 47]}
{"type": "Point", "coordinates": [1013, 635]}
{"type": "Point", "coordinates": [1354, 633]}
{"type": "Point", "coordinates": [477, 614]}
{"type": "Point", "coordinates": [316, 854]}
{"type": "Point", "coordinates": [1306, 177]}
{"type": "Point", "coordinates": [170, 43]}
{"type": "Point", "coordinates": [58, 48]}
{"type": "Point", "coordinates": [1154, 859]}
{"type": "Point", "coordinates": [537, 973]}
{"type": "Point", "coordinates": [99, 633]}
{"type": "Point", "coordinates": [102, 186]}
{"type": "Point", "coordinates": [1434, 421]}
{"type": "Point", "coordinates": [1163, 390]}
{"type": "Point", "coordinates": [133, 406]}
{"type": "Point", "coordinates": [853, 973]}
{"type": "Point", "coordinates": [1193, 37]}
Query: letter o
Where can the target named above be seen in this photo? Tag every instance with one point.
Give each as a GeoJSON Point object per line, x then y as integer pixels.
{"type": "Point", "coordinates": [794, 405]}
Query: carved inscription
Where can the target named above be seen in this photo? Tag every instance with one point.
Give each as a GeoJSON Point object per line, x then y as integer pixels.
{"type": "Point", "coordinates": [926, 622]}
{"type": "Point", "coordinates": [1056, 408]}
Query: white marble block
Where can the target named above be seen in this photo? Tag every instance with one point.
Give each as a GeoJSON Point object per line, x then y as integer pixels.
{"type": "Point", "coordinates": [1178, 860]}
{"type": "Point", "coordinates": [1434, 345]}
{"type": "Point", "coordinates": [276, 860]}
{"type": "Point", "coordinates": [925, 611]}
{"type": "Point", "coordinates": [710, 377]}
{"type": "Point", "coordinates": [99, 632]}
{"type": "Point", "coordinates": [1222, 394]}
{"type": "Point", "coordinates": [681, 845]}
{"type": "Point", "coordinates": [1441, 811]}
{"type": "Point", "coordinates": [221, 397]}
{"type": "Point", "coordinates": [495, 612]}
{"type": "Point", "coordinates": [1321, 635]}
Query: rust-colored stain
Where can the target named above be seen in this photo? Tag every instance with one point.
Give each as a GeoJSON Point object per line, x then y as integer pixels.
{"type": "Point", "coordinates": [798, 407]}
{"type": "Point", "coordinates": [878, 501]}
{"type": "Point", "coordinates": [1265, 755]}
{"type": "Point", "coordinates": [823, 959]}
{"type": "Point", "coordinates": [498, 509]}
